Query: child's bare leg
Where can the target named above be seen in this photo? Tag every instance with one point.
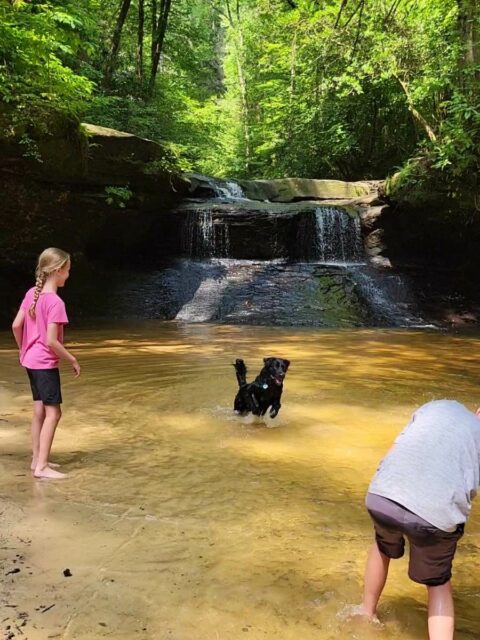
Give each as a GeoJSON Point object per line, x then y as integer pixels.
{"type": "Point", "coordinates": [441, 615]}
{"type": "Point", "coordinates": [53, 413]}
{"type": "Point", "coordinates": [37, 422]}
{"type": "Point", "coordinates": [376, 573]}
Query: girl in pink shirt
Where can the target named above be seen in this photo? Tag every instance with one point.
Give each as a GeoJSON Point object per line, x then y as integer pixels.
{"type": "Point", "coordinates": [38, 331]}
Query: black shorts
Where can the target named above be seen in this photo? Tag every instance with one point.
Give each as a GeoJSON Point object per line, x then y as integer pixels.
{"type": "Point", "coordinates": [431, 550]}
{"type": "Point", "coordinates": [45, 384]}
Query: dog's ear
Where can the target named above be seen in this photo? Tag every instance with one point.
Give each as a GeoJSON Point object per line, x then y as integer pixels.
{"type": "Point", "coordinates": [287, 363]}
{"type": "Point", "coordinates": [268, 360]}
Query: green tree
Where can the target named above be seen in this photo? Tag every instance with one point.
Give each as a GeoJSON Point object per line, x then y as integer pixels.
{"type": "Point", "coordinates": [41, 45]}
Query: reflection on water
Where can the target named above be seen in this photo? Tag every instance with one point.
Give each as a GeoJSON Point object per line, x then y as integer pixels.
{"type": "Point", "coordinates": [182, 521]}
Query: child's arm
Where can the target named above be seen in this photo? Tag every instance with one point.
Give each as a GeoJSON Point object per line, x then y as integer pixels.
{"type": "Point", "coordinates": [17, 327]}
{"type": "Point", "coordinates": [55, 345]}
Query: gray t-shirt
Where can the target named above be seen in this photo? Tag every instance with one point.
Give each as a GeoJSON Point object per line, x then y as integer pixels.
{"type": "Point", "coordinates": [433, 468]}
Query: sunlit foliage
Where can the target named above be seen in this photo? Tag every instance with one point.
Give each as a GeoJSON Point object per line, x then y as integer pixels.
{"type": "Point", "coordinates": [258, 88]}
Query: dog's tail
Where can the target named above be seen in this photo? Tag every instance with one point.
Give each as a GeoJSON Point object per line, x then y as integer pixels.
{"type": "Point", "coordinates": [241, 372]}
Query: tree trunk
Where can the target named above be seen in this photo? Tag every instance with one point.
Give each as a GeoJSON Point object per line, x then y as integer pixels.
{"type": "Point", "coordinates": [158, 40]}
{"type": "Point", "coordinates": [236, 26]}
{"type": "Point", "coordinates": [415, 113]}
{"type": "Point", "coordinates": [391, 12]}
{"type": "Point", "coordinates": [359, 29]}
{"type": "Point", "coordinates": [468, 20]}
{"type": "Point", "coordinates": [140, 34]}
{"type": "Point", "coordinates": [339, 14]}
{"type": "Point", "coordinates": [117, 34]}
{"type": "Point", "coordinates": [153, 21]}
{"type": "Point", "coordinates": [292, 87]}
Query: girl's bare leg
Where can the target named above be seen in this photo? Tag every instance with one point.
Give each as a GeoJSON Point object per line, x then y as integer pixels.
{"type": "Point", "coordinates": [37, 422]}
{"type": "Point", "coordinates": [440, 612]}
{"type": "Point", "coordinates": [53, 413]}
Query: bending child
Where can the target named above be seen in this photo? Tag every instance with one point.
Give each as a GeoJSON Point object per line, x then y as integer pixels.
{"type": "Point", "coordinates": [38, 331]}
{"type": "Point", "coordinates": [422, 491]}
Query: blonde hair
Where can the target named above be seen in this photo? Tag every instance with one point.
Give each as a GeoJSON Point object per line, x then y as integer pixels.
{"type": "Point", "coordinates": [49, 261]}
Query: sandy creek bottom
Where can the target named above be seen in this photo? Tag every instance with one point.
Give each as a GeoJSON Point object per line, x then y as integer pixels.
{"type": "Point", "coordinates": [181, 521]}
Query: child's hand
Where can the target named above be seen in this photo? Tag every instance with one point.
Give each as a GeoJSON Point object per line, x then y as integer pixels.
{"type": "Point", "coordinates": [477, 412]}
{"type": "Point", "coordinates": [76, 368]}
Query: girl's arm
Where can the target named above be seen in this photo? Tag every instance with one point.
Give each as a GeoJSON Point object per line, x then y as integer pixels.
{"type": "Point", "coordinates": [17, 327]}
{"type": "Point", "coordinates": [55, 345]}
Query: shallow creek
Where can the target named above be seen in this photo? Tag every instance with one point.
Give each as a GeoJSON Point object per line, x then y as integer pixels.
{"type": "Point", "coordinates": [181, 521]}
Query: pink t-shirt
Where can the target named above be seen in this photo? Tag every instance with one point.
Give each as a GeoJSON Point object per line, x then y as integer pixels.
{"type": "Point", "coordinates": [50, 308]}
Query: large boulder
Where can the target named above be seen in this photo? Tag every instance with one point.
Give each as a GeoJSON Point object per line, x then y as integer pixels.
{"type": "Point", "coordinates": [294, 189]}
{"type": "Point", "coordinates": [85, 154]}
{"type": "Point", "coordinates": [116, 158]}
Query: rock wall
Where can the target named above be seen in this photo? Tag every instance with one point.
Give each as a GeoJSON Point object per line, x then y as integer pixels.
{"type": "Point", "coordinates": [88, 189]}
{"type": "Point", "coordinates": [402, 235]}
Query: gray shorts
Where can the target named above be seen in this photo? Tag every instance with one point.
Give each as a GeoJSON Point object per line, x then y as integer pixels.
{"type": "Point", "coordinates": [45, 385]}
{"type": "Point", "coordinates": [431, 550]}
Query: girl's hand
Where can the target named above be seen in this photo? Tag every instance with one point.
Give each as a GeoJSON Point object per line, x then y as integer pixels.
{"type": "Point", "coordinates": [76, 368]}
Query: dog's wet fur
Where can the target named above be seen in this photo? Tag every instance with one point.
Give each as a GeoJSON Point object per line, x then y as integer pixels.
{"type": "Point", "coordinates": [264, 392]}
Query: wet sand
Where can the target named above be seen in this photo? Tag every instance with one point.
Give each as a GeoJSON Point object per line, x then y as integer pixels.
{"type": "Point", "coordinates": [181, 521]}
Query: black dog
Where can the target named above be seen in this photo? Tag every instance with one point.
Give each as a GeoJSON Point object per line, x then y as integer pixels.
{"type": "Point", "coordinates": [264, 392]}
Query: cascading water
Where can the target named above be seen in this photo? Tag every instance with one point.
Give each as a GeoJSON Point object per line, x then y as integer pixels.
{"type": "Point", "coordinates": [203, 237]}
{"type": "Point", "coordinates": [338, 241]}
{"type": "Point", "coordinates": [322, 280]}
{"type": "Point", "coordinates": [338, 236]}
{"type": "Point", "coordinates": [230, 189]}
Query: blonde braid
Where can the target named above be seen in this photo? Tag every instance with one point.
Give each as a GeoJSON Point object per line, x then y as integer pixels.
{"type": "Point", "coordinates": [39, 284]}
{"type": "Point", "coordinates": [49, 261]}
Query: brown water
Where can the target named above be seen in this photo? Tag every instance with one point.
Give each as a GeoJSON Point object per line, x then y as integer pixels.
{"type": "Point", "coordinates": [181, 521]}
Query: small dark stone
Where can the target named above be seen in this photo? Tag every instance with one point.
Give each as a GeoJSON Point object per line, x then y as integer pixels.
{"type": "Point", "coordinates": [67, 573]}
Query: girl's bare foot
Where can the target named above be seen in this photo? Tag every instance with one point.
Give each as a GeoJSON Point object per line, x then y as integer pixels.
{"type": "Point", "coordinates": [53, 465]}
{"type": "Point", "coordinates": [48, 472]}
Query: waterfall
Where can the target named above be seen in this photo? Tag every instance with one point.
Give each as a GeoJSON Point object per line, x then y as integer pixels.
{"type": "Point", "coordinates": [203, 237]}
{"type": "Point", "coordinates": [317, 275]}
{"type": "Point", "coordinates": [338, 236]}
{"type": "Point", "coordinates": [229, 189]}
{"type": "Point", "coordinates": [387, 296]}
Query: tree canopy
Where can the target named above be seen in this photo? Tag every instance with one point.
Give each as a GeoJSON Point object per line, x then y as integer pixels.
{"type": "Point", "coordinates": [257, 88]}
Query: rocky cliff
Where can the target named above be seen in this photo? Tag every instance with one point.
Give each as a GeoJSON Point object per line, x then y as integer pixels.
{"type": "Point", "coordinates": [83, 188]}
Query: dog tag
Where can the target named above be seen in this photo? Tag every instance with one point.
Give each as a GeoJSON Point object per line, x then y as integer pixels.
{"type": "Point", "coordinates": [265, 386]}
